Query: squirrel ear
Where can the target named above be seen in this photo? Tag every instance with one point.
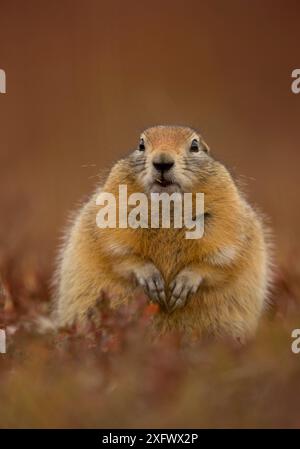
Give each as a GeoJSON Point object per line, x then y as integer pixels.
{"type": "Point", "coordinates": [205, 147]}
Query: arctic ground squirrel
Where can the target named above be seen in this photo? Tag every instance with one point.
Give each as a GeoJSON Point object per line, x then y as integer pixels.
{"type": "Point", "coordinates": [216, 285]}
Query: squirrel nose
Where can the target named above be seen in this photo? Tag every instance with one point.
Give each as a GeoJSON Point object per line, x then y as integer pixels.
{"type": "Point", "coordinates": [163, 166]}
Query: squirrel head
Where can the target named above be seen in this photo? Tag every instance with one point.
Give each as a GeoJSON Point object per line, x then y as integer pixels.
{"type": "Point", "coordinates": [169, 159]}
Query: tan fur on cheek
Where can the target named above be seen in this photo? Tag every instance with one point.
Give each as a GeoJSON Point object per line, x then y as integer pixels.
{"type": "Point", "coordinates": [224, 256]}
{"type": "Point", "coordinates": [116, 248]}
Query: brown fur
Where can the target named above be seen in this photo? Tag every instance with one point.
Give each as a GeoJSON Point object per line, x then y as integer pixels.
{"type": "Point", "coordinates": [231, 260]}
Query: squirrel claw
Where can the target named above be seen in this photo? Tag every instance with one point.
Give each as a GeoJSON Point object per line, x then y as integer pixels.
{"type": "Point", "coordinates": [153, 284]}
{"type": "Point", "coordinates": [182, 287]}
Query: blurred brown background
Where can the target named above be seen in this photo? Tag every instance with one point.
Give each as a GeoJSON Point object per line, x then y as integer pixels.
{"type": "Point", "coordinates": [84, 77]}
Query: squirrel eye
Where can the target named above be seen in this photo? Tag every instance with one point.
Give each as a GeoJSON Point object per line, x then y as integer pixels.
{"type": "Point", "coordinates": [194, 148]}
{"type": "Point", "coordinates": [142, 145]}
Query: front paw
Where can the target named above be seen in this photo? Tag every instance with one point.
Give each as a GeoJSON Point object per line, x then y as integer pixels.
{"type": "Point", "coordinates": [182, 287]}
{"type": "Point", "coordinates": [150, 278]}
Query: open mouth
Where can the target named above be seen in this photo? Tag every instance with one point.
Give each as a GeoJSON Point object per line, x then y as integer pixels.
{"type": "Point", "coordinates": [163, 182]}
